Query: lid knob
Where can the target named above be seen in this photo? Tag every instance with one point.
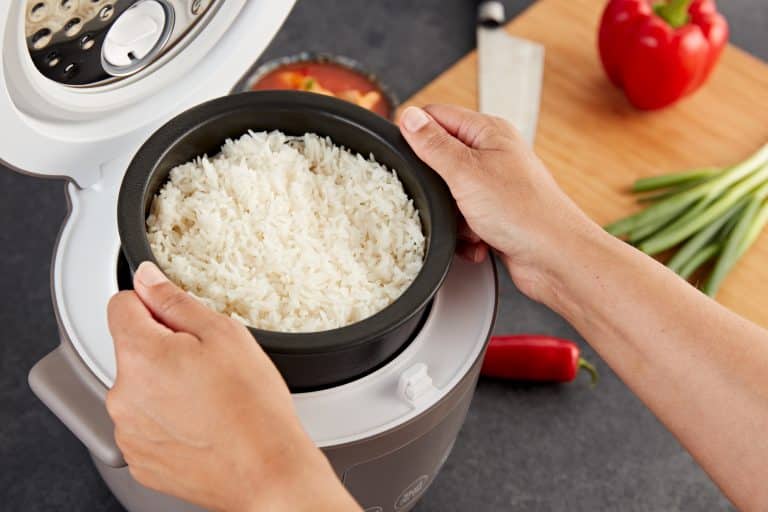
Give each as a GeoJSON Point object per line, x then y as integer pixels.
{"type": "Point", "coordinates": [137, 36]}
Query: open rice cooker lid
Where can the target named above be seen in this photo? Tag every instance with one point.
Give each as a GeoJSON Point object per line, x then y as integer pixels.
{"type": "Point", "coordinates": [83, 82]}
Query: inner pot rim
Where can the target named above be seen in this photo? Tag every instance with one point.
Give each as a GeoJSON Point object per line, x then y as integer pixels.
{"type": "Point", "coordinates": [133, 202]}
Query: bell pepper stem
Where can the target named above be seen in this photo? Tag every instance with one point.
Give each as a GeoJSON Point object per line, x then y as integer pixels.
{"type": "Point", "coordinates": [674, 12]}
{"type": "Point", "coordinates": [589, 368]}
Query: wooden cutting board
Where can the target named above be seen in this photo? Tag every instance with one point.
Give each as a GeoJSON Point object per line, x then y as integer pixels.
{"type": "Point", "coordinates": [596, 144]}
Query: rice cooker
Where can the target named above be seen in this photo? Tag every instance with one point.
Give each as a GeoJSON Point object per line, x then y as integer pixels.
{"type": "Point", "coordinates": [82, 84]}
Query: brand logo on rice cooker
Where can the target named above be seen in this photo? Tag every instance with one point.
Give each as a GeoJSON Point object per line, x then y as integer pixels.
{"type": "Point", "coordinates": [412, 492]}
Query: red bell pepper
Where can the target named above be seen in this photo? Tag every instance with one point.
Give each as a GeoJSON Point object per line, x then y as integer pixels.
{"type": "Point", "coordinates": [534, 358]}
{"type": "Point", "coordinates": [659, 53]}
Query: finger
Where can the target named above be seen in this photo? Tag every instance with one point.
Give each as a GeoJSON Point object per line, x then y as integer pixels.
{"type": "Point", "coordinates": [131, 322]}
{"type": "Point", "coordinates": [466, 250]}
{"type": "Point", "coordinates": [171, 305]}
{"type": "Point", "coordinates": [476, 130]}
{"type": "Point", "coordinates": [465, 232]}
{"type": "Point", "coordinates": [434, 145]}
{"type": "Point", "coordinates": [473, 252]}
{"type": "Point", "coordinates": [481, 252]}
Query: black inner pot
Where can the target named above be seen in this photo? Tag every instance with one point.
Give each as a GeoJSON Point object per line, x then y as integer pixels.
{"type": "Point", "coordinates": [319, 359]}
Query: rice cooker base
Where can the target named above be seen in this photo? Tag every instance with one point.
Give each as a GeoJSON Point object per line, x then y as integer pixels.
{"type": "Point", "coordinates": [399, 463]}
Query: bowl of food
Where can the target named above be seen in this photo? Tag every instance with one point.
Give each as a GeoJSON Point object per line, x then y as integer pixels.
{"type": "Point", "coordinates": [321, 73]}
{"type": "Point", "coordinates": [305, 217]}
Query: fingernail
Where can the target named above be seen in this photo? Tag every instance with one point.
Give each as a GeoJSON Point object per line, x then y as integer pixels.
{"type": "Point", "coordinates": [149, 275]}
{"type": "Point", "coordinates": [414, 119]}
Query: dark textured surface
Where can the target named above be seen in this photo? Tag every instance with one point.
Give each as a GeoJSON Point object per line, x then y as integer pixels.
{"type": "Point", "coordinates": [527, 448]}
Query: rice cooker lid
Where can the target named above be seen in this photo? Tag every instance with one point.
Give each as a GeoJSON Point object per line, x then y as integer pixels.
{"type": "Point", "coordinates": [83, 82]}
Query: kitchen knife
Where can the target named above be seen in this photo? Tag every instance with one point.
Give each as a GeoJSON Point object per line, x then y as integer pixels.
{"type": "Point", "coordinates": [510, 70]}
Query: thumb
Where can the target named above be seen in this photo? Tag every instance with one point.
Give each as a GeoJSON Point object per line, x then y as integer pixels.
{"type": "Point", "coordinates": [434, 145]}
{"type": "Point", "coordinates": [171, 305]}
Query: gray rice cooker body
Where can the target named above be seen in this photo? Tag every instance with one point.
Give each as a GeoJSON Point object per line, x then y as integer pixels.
{"type": "Point", "coordinates": [388, 472]}
{"type": "Point", "coordinates": [386, 428]}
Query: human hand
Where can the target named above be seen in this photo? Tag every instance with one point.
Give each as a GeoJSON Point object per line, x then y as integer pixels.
{"type": "Point", "coordinates": [507, 197]}
{"type": "Point", "coordinates": [201, 412]}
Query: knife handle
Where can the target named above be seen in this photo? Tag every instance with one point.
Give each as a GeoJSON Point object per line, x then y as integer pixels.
{"type": "Point", "coordinates": [491, 14]}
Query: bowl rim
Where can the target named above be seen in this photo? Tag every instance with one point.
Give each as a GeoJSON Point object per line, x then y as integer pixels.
{"type": "Point", "coordinates": [440, 246]}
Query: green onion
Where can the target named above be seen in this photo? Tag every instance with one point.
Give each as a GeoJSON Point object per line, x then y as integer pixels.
{"type": "Point", "coordinates": [689, 250]}
{"type": "Point", "coordinates": [757, 227]}
{"type": "Point", "coordinates": [690, 224]}
{"type": "Point", "coordinates": [737, 240]}
{"type": "Point", "coordinates": [701, 257]}
{"type": "Point", "coordinates": [650, 227]}
{"type": "Point", "coordinates": [664, 209]}
{"type": "Point", "coordinates": [722, 236]}
{"type": "Point", "coordinates": [657, 196]}
{"type": "Point", "coordinates": [673, 180]}
{"type": "Point", "coordinates": [703, 214]}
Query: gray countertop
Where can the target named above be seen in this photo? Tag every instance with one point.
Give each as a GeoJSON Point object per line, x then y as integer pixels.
{"type": "Point", "coordinates": [523, 447]}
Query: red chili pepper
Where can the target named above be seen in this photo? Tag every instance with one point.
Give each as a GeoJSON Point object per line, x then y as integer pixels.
{"type": "Point", "coordinates": [535, 358]}
{"type": "Point", "coordinates": [658, 53]}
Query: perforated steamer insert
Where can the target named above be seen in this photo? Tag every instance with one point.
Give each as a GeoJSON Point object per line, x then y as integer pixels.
{"type": "Point", "coordinates": [82, 85]}
{"type": "Point", "coordinates": [93, 42]}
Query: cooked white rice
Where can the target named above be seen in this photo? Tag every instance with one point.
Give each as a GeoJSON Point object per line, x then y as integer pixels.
{"type": "Point", "coordinates": [289, 234]}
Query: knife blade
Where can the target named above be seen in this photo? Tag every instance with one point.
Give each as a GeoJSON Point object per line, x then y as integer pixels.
{"type": "Point", "coordinates": [510, 71]}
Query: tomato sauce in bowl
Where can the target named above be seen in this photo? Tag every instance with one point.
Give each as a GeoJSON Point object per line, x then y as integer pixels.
{"type": "Point", "coordinates": [326, 75]}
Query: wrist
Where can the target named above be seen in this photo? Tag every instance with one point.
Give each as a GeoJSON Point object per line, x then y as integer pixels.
{"type": "Point", "coordinates": [299, 479]}
{"type": "Point", "coordinates": [570, 246]}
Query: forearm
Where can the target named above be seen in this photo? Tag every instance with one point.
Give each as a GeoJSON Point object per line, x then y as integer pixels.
{"type": "Point", "coordinates": [700, 368]}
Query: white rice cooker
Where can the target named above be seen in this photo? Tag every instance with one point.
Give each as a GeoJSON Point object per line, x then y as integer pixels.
{"type": "Point", "coordinates": [82, 84]}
